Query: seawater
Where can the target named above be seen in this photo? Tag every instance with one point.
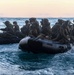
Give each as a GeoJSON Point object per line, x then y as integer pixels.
{"type": "Point", "coordinates": [15, 62]}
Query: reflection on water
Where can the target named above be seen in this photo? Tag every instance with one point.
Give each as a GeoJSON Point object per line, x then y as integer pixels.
{"type": "Point", "coordinates": [35, 61]}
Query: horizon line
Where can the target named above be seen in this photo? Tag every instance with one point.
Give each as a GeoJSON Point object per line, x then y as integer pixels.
{"type": "Point", "coordinates": [36, 17]}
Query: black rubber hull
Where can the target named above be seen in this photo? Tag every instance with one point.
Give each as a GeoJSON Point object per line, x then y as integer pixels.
{"type": "Point", "coordinates": [36, 46]}
{"type": "Point", "coordinates": [9, 40]}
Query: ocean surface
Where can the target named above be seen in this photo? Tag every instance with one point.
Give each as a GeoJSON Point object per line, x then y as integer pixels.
{"type": "Point", "coordinates": [15, 62]}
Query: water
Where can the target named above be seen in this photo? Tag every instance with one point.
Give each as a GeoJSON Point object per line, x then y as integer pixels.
{"type": "Point", "coordinates": [15, 62]}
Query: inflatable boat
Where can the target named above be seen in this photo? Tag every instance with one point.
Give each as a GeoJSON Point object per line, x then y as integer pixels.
{"type": "Point", "coordinates": [42, 46]}
{"type": "Point", "coordinates": [9, 40]}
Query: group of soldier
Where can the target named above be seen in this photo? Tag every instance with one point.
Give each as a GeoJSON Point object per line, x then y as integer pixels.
{"type": "Point", "coordinates": [62, 31]}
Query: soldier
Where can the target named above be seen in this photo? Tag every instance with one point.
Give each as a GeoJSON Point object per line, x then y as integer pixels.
{"type": "Point", "coordinates": [46, 29]}
{"type": "Point", "coordinates": [16, 27]}
{"type": "Point", "coordinates": [9, 28]}
{"type": "Point", "coordinates": [35, 29]}
{"type": "Point", "coordinates": [8, 31]}
{"type": "Point", "coordinates": [26, 28]}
